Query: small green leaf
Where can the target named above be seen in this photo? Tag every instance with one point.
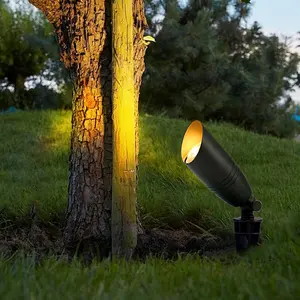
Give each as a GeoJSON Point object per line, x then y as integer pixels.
{"type": "Point", "coordinates": [149, 38]}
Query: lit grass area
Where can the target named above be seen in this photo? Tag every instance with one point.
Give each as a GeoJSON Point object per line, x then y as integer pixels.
{"type": "Point", "coordinates": [34, 162]}
{"type": "Point", "coordinates": [34, 169]}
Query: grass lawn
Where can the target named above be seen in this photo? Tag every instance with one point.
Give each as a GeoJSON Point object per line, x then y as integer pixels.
{"type": "Point", "coordinates": [34, 169]}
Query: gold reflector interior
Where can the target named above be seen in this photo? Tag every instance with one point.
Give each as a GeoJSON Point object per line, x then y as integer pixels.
{"type": "Point", "coordinates": [191, 142]}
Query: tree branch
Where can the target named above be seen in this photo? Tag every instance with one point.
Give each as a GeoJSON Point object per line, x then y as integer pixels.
{"type": "Point", "coordinates": [50, 8]}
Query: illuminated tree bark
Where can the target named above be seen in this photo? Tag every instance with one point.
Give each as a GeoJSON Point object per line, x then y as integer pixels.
{"type": "Point", "coordinates": [124, 227]}
{"type": "Point", "coordinates": [83, 30]}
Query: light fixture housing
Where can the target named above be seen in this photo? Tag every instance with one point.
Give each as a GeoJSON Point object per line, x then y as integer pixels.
{"type": "Point", "coordinates": [205, 157]}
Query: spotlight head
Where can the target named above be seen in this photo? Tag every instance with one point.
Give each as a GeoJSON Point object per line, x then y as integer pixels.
{"type": "Point", "coordinates": [205, 157]}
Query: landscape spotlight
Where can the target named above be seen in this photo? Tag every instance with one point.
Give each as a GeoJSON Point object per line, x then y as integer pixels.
{"type": "Point", "coordinates": [216, 169]}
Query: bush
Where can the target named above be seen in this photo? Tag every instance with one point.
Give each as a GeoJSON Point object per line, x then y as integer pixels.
{"type": "Point", "coordinates": [6, 99]}
{"type": "Point", "coordinates": [41, 97]}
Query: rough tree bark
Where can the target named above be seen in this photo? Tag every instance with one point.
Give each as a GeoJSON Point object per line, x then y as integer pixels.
{"type": "Point", "coordinates": [83, 30]}
{"type": "Point", "coordinates": [140, 24]}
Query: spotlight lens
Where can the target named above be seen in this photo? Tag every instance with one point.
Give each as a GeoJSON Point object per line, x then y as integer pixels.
{"type": "Point", "coordinates": [192, 153]}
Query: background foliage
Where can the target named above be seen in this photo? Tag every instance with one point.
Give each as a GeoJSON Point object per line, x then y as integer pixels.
{"type": "Point", "coordinates": [207, 63]}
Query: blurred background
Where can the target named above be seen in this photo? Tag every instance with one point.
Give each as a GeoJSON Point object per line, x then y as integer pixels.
{"type": "Point", "coordinates": [213, 60]}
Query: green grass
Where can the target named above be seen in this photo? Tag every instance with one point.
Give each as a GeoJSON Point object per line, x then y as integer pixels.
{"type": "Point", "coordinates": [33, 169]}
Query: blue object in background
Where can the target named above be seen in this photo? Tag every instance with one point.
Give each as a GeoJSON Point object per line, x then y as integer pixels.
{"type": "Point", "coordinates": [11, 109]}
{"type": "Point", "coordinates": [296, 115]}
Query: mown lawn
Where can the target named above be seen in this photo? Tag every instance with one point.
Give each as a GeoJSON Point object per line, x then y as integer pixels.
{"type": "Point", "coordinates": [33, 169]}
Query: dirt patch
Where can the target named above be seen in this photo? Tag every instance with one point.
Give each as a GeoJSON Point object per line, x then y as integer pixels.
{"type": "Point", "coordinates": [169, 244]}
{"type": "Point", "coordinates": [33, 238]}
{"type": "Point", "coordinates": [45, 239]}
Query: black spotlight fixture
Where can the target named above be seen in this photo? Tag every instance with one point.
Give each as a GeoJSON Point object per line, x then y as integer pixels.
{"type": "Point", "coordinates": [216, 169]}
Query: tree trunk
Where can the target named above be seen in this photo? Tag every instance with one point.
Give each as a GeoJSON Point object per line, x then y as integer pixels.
{"type": "Point", "coordinates": [140, 24]}
{"type": "Point", "coordinates": [85, 40]}
{"type": "Point", "coordinates": [90, 166]}
{"type": "Point", "coordinates": [19, 86]}
{"type": "Point", "coordinates": [83, 30]}
{"type": "Point", "coordinates": [124, 233]}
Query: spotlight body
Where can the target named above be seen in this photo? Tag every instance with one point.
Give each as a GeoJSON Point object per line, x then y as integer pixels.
{"type": "Point", "coordinates": [216, 169]}
{"type": "Point", "coordinates": [205, 157]}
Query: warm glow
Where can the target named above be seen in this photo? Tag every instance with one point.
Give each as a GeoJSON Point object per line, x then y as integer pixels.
{"type": "Point", "coordinates": [191, 142]}
{"type": "Point", "coordinates": [192, 153]}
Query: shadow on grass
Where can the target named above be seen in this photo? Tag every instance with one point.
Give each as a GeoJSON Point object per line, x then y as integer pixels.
{"type": "Point", "coordinates": [40, 239]}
